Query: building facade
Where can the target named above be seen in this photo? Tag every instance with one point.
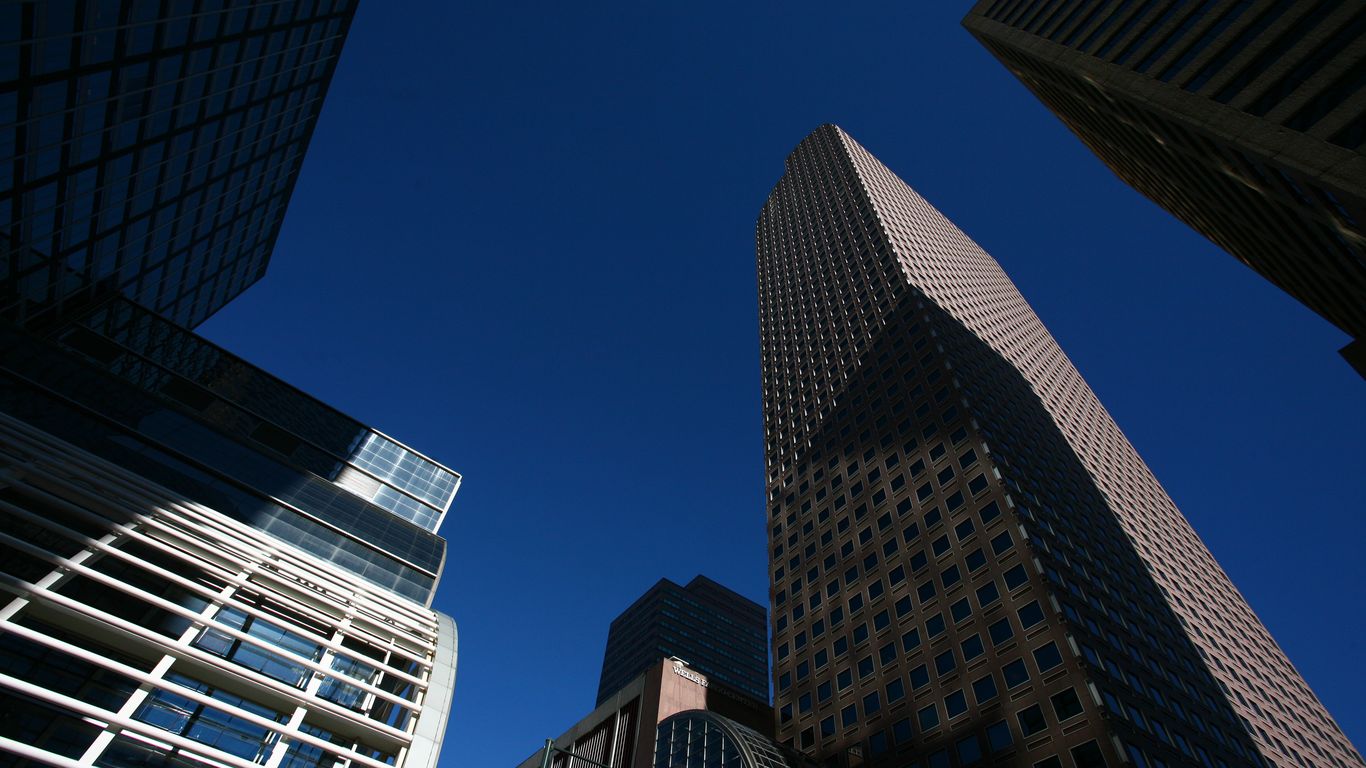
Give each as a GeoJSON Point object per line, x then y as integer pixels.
{"type": "Point", "coordinates": [150, 148]}
{"type": "Point", "coordinates": [1245, 119]}
{"type": "Point", "coordinates": [969, 561]}
{"type": "Point", "coordinates": [200, 564]}
{"type": "Point", "coordinates": [716, 631]}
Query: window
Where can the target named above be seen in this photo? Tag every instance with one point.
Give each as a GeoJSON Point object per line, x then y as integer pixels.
{"type": "Point", "coordinates": [928, 717]}
{"type": "Point", "coordinates": [828, 726]}
{"type": "Point", "coordinates": [955, 704]}
{"type": "Point", "coordinates": [902, 731]}
{"type": "Point", "coordinates": [944, 663]}
{"type": "Point", "coordinates": [1030, 615]}
{"type": "Point", "coordinates": [969, 750]}
{"type": "Point", "coordinates": [804, 703]}
{"type": "Point", "coordinates": [988, 594]}
{"type": "Point", "coordinates": [910, 641]}
{"type": "Point", "coordinates": [950, 576]}
{"type": "Point", "coordinates": [1031, 721]}
{"type": "Point", "coordinates": [1047, 657]}
{"type": "Point", "coordinates": [920, 677]}
{"type": "Point", "coordinates": [1015, 674]}
{"type": "Point", "coordinates": [1002, 543]}
{"type": "Point", "coordinates": [934, 626]}
{"type": "Point", "coordinates": [984, 689]}
{"type": "Point", "coordinates": [1000, 632]}
{"type": "Point", "coordinates": [998, 736]}
{"type": "Point", "coordinates": [848, 716]}
{"type": "Point", "coordinates": [1015, 578]}
{"type": "Point", "coordinates": [823, 691]}
{"type": "Point", "coordinates": [844, 679]}
{"type": "Point", "coordinates": [976, 559]}
{"type": "Point", "coordinates": [887, 654]}
{"type": "Point", "coordinates": [896, 691]}
{"type": "Point", "coordinates": [1088, 756]}
{"type": "Point", "coordinates": [1066, 704]}
{"type": "Point", "coordinates": [972, 648]}
{"type": "Point", "coordinates": [865, 667]}
{"type": "Point", "coordinates": [961, 610]}
{"type": "Point", "coordinates": [871, 703]}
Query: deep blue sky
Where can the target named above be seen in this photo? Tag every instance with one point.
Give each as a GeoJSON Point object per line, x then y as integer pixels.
{"type": "Point", "coordinates": [523, 243]}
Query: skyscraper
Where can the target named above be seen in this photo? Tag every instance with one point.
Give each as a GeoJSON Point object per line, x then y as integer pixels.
{"type": "Point", "coordinates": [1243, 119]}
{"type": "Point", "coordinates": [201, 563]}
{"type": "Point", "coordinates": [151, 148]}
{"type": "Point", "coordinates": [968, 558]}
{"type": "Point", "coordinates": [717, 632]}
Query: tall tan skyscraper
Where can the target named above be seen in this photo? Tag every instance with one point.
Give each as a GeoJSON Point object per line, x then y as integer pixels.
{"type": "Point", "coordinates": [969, 561]}
{"type": "Point", "coordinates": [1246, 120]}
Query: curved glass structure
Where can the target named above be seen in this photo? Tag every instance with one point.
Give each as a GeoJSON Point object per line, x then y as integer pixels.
{"type": "Point", "coordinates": [700, 739]}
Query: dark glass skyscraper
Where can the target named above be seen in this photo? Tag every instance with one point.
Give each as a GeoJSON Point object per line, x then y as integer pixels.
{"type": "Point", "coordinates": [717, 632]}
{"type": "Point", "coordinates": [151, 147]}
{"type": "Point", "coordinates": [1246, 120]}
{"type": "Point", "coordinates": [970, 563]}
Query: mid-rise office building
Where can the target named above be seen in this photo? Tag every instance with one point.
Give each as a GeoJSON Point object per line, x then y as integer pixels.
{"type": "Point", "coordinates": [150, 148]}
{"type": "Point", "coordinates": [716, 631]}
{"type": "Point", "coordinates": [969, 561]}
{"type": "Point", "coordinates": [1246, 120]}
{"type": "Point", "coordinates": [699, 647]}
{"type": "Point", "coordinates": [200, 563]}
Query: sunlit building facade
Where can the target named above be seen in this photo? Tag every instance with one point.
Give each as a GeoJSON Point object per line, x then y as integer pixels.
{"type": "Point", "coordinates": [970, 564]}
{"type": "Point", "coordinates": [1246, 120]}
{"type": "Point", "coordinates": [200, 564]}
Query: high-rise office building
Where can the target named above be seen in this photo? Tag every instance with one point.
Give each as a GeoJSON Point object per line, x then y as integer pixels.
{"type": "Point", "coordinates": [969, 561]}
{"type": "Point", "coordinates": [1246, 120]}
{"type": "Point", "coordinates": [200, 564]}
{"type": "Point", "coordinates": [716, 631]}
{"type": "Point", "coordinates": [150, 148]}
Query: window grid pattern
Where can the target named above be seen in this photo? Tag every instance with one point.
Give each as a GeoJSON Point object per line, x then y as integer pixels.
{"type": "Point", "coordinates": [1246, 119]}
{"type": "Point", "coordinates": [151, 148]}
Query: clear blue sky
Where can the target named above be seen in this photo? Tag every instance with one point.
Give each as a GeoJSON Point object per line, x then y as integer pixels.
{"type": "Point", "coordinates": [523, 243]}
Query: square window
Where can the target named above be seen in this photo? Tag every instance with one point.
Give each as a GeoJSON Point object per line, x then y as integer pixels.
{"type": "Point", "coordinates": [950, 576]}
{"type": "Point", "coordinates": [998, 736]}
{"type": "Point", "coordinates": [903, 606]}
{"type": "Point", "coordinates": [1015, 674]}
{"type": "Point", "coordinates": [1000, 632]}
{"type": "Point", "coordinates": [1002, 543]}
{"type": "Point", "coordinates": [896, 691]}
{"type": "Point", "coordinates": [910, 641]}
{"type": "Point", "coordinates": [848, 716]}
{"type": "Point", "coordinates": [928, 717]}
{"type": "Point", "coordinates": [1030, 615]}
{"type": "Point", "coordinates": [887, 654]}
{"type": "Point", "coordinates": [1088, 756]}
{"type": "Point", "coordinates": [1051, 761]}
{"type": "Point", "coordinates": [940, 545]}
{"type": "Point", "coordinates": [920, 677]}
{"type": "Point", "coordinates": [1066, 704]}
{"type": "Point", "coordinates": [1031, 721]}
{"type": "Point", "coordinates": [902, 731]}
{"type": "Point", "coordinates": [976, 559]}
{"type": "Point", "coordinates": [955, 704]}
{"type": "Point", "coordinates": [972, 648]}
{"type": "Point", "coordinates": [961, 610]}
{"type": "Point", "coordinates": [1015, 577]}
{"type": "Point", "coordinates": [944, 663]}
{"type": "Point", "coordinates": [871, 703]}
{"type": "Point", "coordinates": [984, 689]}
{"type": "Point", "coordinates": [988, 594]}
{"type": "Point", "coordinates": [1047, 657]}
{"type": "Point", "coordinates": [934, 626]}
{"type": "Point", "coordinates": [828, 726]}
{"type": "Point", "coordinates": [925, 591]}
{"type": "Point", "coordinates": [844, 679]}
{"type": "Point", "coordinates": [964, 529]}
{"type": "Point", "coordinates": [969, 750]}
{"type": "Point", "coordinates": [865, 667]}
